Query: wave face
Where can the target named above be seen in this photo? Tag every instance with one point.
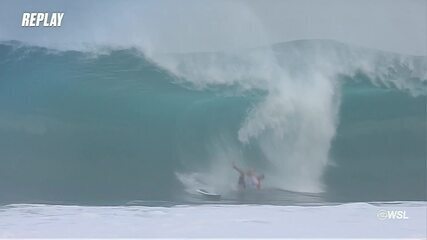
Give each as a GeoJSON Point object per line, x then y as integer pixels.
{"type": "Point", "coordinates": [314, 116]}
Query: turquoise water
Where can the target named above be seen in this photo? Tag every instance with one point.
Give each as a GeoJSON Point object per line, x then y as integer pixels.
{"type": "Point", "coordinates": [117, 127]}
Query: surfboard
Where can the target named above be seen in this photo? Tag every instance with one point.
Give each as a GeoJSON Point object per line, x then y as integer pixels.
{"type": "Point", "coordinates": [209, 195]}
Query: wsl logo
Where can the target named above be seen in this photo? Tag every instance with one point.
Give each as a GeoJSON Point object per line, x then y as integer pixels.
{"type": "Point", "coordinates": [42, 19]}
{"type": "Point", "coordinates": [392, 214]}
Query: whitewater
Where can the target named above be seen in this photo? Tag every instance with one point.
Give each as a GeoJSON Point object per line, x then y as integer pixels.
{"type": "Point", "coordinates": [352, 220]}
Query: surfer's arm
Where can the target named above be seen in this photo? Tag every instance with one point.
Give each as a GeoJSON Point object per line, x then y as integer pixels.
{"type": "Point", "coordinates": [258, 186]}
{"type": "Point", "coordinates": [238, 169]}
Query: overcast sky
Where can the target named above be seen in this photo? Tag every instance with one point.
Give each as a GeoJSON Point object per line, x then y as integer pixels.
{"type": "Point", "coordinates": [208, 25]}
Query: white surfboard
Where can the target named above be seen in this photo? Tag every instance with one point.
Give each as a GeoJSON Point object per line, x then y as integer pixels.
{"type": "Point", "coordinates": [209, 195]}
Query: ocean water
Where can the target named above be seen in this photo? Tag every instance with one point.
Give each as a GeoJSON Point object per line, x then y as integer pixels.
{"type": "Point", "coordinates": [114, 142]}
{"type": "Point", "coordinates": [324, 121]}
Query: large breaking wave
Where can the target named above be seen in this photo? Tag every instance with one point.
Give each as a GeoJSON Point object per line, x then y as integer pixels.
{"type": "Point", "coordinates": [313, 115]}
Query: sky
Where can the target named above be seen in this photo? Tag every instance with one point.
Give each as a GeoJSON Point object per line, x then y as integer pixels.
{"type": "Point", "coordinates": [208, 25]}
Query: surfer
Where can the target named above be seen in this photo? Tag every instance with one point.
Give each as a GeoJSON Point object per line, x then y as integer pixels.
{"type": "Point", "coordinates": [248, 179]}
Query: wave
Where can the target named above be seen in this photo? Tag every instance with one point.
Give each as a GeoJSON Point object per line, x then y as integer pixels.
{"type": "Point", "coordinates": [313, 115]}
